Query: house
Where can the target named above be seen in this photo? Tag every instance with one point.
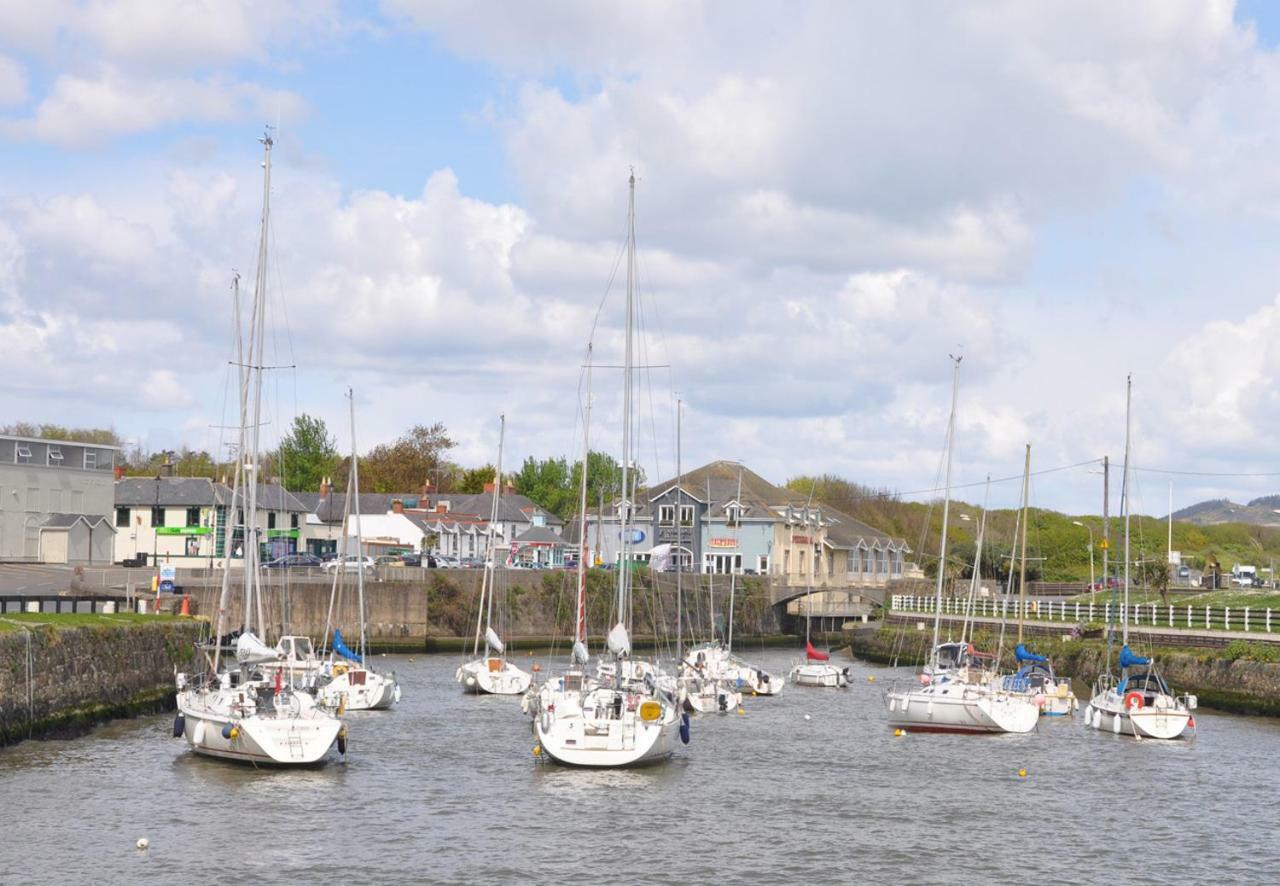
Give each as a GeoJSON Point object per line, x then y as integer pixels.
{"type": "Point", "coordinates": [55, 500]}
{"type": "Point", "coordinates": [185, 521]}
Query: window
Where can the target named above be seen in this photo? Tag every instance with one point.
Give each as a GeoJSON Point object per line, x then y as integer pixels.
{"type": "Point", "coordinates": [193, 516]}
{"type": "Point", "coordinates": [866, 561]}
{"type": "Point", "coordinates": [732, 514]}
{"type": "Point", "coordinates": [786, 562]}
{"type": "Point", "coordinates": [90, 461]}
{"type": "Point", "coordinates": [55, 455]}
{"type": "Point", "coordinates": [271, 519]}
{"type": "Point", "coordinates": [293, 521]}
{"type": "Point", "coordinates": [762, 564]}
{"type": "Point", "coordinates": [686, 515]}
{"type": "Point", "coordinates": [122, 516]}
{"type": "Point", "coordinates": [23, 454]}
{"type": "Point", "coordinates": [666, 515]}
{"type": "Point", "coordinates": [157, 516]}
{"type": "Point", "coordinates": [897, 563]}
{"type": "Point", "coordinates": [539, 520]}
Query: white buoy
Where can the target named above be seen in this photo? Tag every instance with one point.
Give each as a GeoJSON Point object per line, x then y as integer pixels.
{"type": "Point", "coordinates": [1115, 723]}
{"type": "Point", "coordinates": [807, 717]}
{"type": "Point", "coordinates": [143, 843]}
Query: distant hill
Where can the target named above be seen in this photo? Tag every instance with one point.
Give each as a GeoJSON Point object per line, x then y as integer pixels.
{"type": "Point", "coordinates": [1264, 511]}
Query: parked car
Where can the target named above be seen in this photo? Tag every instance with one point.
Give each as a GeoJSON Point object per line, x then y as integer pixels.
{"type": "Point", "coordinates": [411, 559]}
{"type": "Point", "coordinates": [350, 564]}
{"type": "Point", "coordinates": [294, 561]}
{"type": "Point", "coordinates": [448, 562]}
{"type": "Point", "coordinates": [471, 563]}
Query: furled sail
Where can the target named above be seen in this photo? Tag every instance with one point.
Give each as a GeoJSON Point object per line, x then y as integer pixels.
{"type": "Point", "coordinates": [341, 648]}
{"type": "Point", "coordinates": [493, 641]}
{"type": "Point", "coordinates": [251, 650]}
{"type": "Point", "coordinates": [813, 654]}
{"type": "Point", "coordinates": [619, 640]}
{"type": "Point", "coordinates": [1021, 653]}
{"type": "Point", "coordinates": [580, 654]}
{"type": "Point", "coordinates": [1128, 659]}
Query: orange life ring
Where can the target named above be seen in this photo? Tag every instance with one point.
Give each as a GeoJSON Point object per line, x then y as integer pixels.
{"type": "Point", "coordinates": [1133, 700]}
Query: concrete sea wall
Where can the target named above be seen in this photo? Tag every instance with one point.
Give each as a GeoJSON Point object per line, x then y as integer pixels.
{"type": "Point", "coordinates": [62, 680]}
{"type": "Point", "coordinates": [1230, 679]}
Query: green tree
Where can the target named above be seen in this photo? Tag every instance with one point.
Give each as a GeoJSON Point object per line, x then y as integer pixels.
{"type": "Point", "coordinates": [471, 481]}
{"type": "Point", "coordinates": [408, 463]}
{"type": "Point", "coordinates": [307, 454]}
{"type": "Point", "coordinates": [186, 463]}
{"type": "Point", "coordinates": [546, 482]}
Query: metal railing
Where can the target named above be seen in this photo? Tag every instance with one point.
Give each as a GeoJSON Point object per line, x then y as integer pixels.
{"type": "Point", "coordinates": [53, 604]}
{"type": "Point", "coordinates": [1156, 615]}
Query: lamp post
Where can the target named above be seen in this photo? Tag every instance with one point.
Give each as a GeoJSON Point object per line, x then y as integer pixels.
{"type": "Point", "coordinates": [1090, 529]}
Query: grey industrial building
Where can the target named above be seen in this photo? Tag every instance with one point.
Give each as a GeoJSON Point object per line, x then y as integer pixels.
{"type": "Point", "coordinates": [56, 498]}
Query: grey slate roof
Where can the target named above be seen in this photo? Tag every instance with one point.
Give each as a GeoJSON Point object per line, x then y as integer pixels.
{"type": "Point", "coordinates": [196, 492]}
{"type": "Point", "coordinates": [539, 535]}
{"type": "Point", "coordinates": [329, 508]}
{"type": "Point", "coordinates": [512, 507]}
{"type": "Point", "coordinates": [66, 521]}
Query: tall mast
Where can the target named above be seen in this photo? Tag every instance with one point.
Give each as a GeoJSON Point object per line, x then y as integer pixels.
{"type": "Point", "coordinates": [229, 525]}
{"type": "Point", "coordinates": [355, 492]}
{"type": "Point", "coordinates": [580, 621]}
{"type": "Point", "coordinates": [485, 615]}
{"type": "Point", "coordinates": [711, 575]}
{"type": "Point", "coordinates": [1124, 506]}
{"type": "Point", "coordinates": [256, 341]}
{"type": "Point", "coordinates": [733, 575]}
{"type": "Point", "coordinates": [1106, 541]}
{"type": "Point", "coordinates": [1169, 555]}
{"type": "Point", "coordinates": [946, 500]}
{"type": "Point", "coordinates": [976, 580]}
{"type": "Point", "coordinates": [624, 567]}
{"type": "Point", "coordinates": [1022, 559]}
{"type": "Point", "coordinates": [679, 540]}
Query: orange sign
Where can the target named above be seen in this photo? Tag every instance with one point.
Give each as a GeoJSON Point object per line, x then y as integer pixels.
{"type": "Point", "coordinates": [723, 543]}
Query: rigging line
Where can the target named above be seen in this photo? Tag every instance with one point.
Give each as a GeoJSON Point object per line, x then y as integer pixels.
{"type": "Point", "coordinates": [892, 495]}
{"type": "Point", "coordinates": [1175, 473]}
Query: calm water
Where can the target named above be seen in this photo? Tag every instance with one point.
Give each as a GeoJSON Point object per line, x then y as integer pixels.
{"type": "Point", "coordinates": [445, 789]}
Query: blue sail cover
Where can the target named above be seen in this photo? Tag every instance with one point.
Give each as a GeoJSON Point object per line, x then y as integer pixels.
{"type": "Point", "coordinates": [1128, 659]}
{"type": "Point", "coordinates": [341, 648]}
{"type": "Point", "coordinates": [1021, 653]}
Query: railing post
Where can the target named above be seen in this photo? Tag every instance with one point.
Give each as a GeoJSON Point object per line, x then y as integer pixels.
{"type": "Point", "coordinates": [1207, 626]}
{"type": "Point", "coordinates": [1246, 618]}
{"type": "Point", "coordinates": [1171, 615]}
{"type": "Point", "coordinates": [1226, 618]}
{"type": "Point", "coordinates": [1268, 619]}
{"type": "Point", "coordinates": [1106, 609]}
{"type": "Point", "coordinates": [1090, 610]}
{"type": "Point", "coordinates": [1188, 615]}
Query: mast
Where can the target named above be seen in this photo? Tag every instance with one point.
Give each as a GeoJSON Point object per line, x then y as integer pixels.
{"type": "Point", "coordinates": [229, 525]}
{"type": "Point", "coordinates": [624, 566]}
{"type": "Point", "coordinates": [256, 341]}
{"type": "Point", "coordinates": [976, 580]}
{"type": "Point", "coordinates": [1022, 559]}
{"type": "Point", "coordinates": [1169, 555]}
{"type": "Point", "coordinates": [1106, 542]}
{"type": "Point", "coordinates": [1124, 506]}
{"type": "Point", "coordinates": [946, 501]}
{"type": "Point", "coordinates": [355, 492]}
{"type": "Point", "coordinates": [679, 541]}
{"type": "Point", "coordinates": [580, 621]}
{"type": "Point", "coordinates": [808, 570]}
{"type": "Point", "coordinates": [711, 575]}
{"type": "Point", "coordinates": [733, 575]}
{"type": "Point", "coordinates": [485, 615]}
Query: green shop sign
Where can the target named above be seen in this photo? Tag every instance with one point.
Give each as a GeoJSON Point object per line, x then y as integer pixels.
{"type": "Point", "coordinates": [282, 533]}
{"type": "Point", "coordinates": [183, 530]}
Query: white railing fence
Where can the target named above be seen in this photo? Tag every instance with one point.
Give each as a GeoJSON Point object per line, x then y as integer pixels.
{"type": "Point", "coordinates": [1208, 618]}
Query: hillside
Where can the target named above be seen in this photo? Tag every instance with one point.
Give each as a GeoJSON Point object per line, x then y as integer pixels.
{"type": "Point", "coordinates": [1264, 511]}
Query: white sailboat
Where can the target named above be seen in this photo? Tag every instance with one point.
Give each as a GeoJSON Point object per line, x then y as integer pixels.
{"type": "Point", "coordinates": [955, 691]}
{"type": "Point", "coordinates": [351, 684]}
{"type": "Point", "coordinates": [623, 716]}
{"type": "Point", "coordinates": [815, 669]}
{"type": "Point", "coordinates": [243, 714]}
{"type": "Point", "coordinates": [1139, 703]}
{"type": "Point", "coordinates": [492, 672]}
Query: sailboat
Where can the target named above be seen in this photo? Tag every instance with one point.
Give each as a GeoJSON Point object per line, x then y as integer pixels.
{"type": "Point", "coordinates": [624, 715]}
{"type": "Point", "coordinates": [243, 714]}
{"type": "Point", "coordinates": [1139, 703]}
{"type": "Point", "coordinates": [1035, 677]}
{"type": "Point", "coordinates": [492, 672]}
{"type": "Point", "coordinates": [350, 683]}
{"type": "Point", "coordinates": [954, 691]}
{"type": "Point", "coordinates": [815, 669]}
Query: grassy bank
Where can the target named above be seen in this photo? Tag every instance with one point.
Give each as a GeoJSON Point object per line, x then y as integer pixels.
{"type": "Point", "coordinates": [16, 621]}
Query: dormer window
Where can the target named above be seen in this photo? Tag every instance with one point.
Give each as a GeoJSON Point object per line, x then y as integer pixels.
{"type": "Point", "coordinates": [55, 455]}
{"type": "Point", "coordinates": [624, 511]}
{"type": "Point", "coordinates": [23, 454]}
{"type": "Point", "coordinates": [733, 514]}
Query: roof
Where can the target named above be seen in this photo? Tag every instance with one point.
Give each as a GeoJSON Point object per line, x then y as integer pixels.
{"type": "Point", "coordinates": [539, 535]}
{"type": "Point", "coordinates": [329, 507]}
{"type": "Point", "coordinates": [66, 521]}
{"type": "Point", "coordinates": [58, 442]}
{"type": "Point", "coordinates": [718, 483]}
{"type": "Point", "coordinates": [512, 507]}
{"type": "Point", "coordinates": [844, 531]}
{"type": "Point", "coordinates": [196, 492]}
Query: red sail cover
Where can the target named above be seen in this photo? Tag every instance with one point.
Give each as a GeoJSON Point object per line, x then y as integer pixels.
{"type": "Point", "coordinates": [814, 654]}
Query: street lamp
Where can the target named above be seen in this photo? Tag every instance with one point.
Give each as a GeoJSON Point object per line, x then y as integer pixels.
{"type": "Point", "coordinates": [1090, 528]}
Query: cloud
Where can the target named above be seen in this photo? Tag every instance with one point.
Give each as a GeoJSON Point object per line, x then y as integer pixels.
{"type": "Point", "coordinates": [81, 111]}
{"type": "Point", "coordinates": [13, 82]}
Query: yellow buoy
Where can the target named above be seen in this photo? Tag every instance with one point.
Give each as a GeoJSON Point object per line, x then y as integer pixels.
{"type": "Point", "coordinates": [650, 710]}
{"type": "Point", "coordinates": [537, 750]}
{"type": "Point", "coordinates": [1022, 773]}
{"type": "Point", "coordinates": [871, 678]}
{"type": "Point", "coordinates": [741, 711]}
{"type": "Point", "coordinates": [235, 732]}
{"type": "Point", "coordinates": [898, 733]}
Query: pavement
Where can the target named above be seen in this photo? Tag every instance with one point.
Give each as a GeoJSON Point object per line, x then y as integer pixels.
{"type": "Point", "coordinates": [39, 578]}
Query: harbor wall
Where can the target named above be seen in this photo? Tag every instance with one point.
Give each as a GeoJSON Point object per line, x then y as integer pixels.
{"type": "Point", "coordinates": [60, 681]}
{"type": "Point", "coordinates": [1242, 678]}
{"type": "Point", "coordinates": [438, 606]}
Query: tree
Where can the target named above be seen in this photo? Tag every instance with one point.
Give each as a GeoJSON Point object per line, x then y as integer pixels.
{"type": "Point", "coordinates": [186, 462]}
{"type": "Point", "coordinates": [408, 463]}
{"type": "Point", "coordinates": [471, 481]}
{"type": "Point", "coordinates": [548, 483]}
{"type": "Point", "coordinates": [307, 454]}
{"type": "Point", "coordinates": [103, 436]}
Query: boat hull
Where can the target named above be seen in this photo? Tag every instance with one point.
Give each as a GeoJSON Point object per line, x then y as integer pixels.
{"type": "Point", "coordinates": [1107, 714]}
{"type": "Point", "coordinates": [960, 709]}
{"type": "Point", "coordinates": [377, 692]}
{"type": "Point", "coordinates": [480, 678]}
{"type": "Point", "coordinates": [824, 676]}
{"type": "Point", "coordinates": [282, 739]}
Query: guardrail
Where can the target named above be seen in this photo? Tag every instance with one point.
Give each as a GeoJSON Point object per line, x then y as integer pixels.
{"type": "Point", "coordinates": [1204, 618]}
{"type": "Point", "coordinates": [52, 604]}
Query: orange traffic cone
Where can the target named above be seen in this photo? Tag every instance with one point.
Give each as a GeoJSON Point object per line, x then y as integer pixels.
{"type": "Point", "coordinates": [186, 605]}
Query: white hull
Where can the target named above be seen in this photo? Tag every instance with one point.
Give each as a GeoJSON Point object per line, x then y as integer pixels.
{"type": "Point", "coordinates": [494, 676]}
{"type": "Point", "coordinates": [299, 734]}
{"type": "Point", "coordinates": [960, 707]}
{"type": "Point", "coordinates": [822, 675]}
{"type": "Point", "coordinates": [715, 662]}
{"type": "Point", "coordinates": [592, 736]}
{"type": "Point", "coordinates": [359, 689]}
{"type": "Point", "coordinates": [707, 697]}
{"type": "Point", "coordinates": [1106, 713]}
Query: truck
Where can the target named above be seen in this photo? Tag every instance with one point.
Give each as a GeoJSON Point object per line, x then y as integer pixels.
{"type": "Point", "coordinates": [1244, 576]}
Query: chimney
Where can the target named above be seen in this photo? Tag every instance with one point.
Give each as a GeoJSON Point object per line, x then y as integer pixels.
{"type": "Point", "coordinates": [397, 506]}
{"type": "Point", "coordinates": [442, 508]}
{"type": "Point", "coordinates": [326, 487]}
{"type": "Point", "coordinates": [488, 489]}
{"type": "Point", "coordinates": [426, 489]}
{"type": "Point", "coordinates": [508, 490]}
{"type": "Point", "coordinates": [166, 469]}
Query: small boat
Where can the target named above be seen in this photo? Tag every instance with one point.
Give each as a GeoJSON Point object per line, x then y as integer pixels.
{"type": "Point", "coordinates": [817, 670]}
{"type": "Point", "coordinates": [1035, 678]}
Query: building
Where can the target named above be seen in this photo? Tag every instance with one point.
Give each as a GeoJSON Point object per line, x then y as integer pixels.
{"type": "Point", "coordinates": [55, 500]}
{"type": "Point", "coordinates": [723, 517]}
{"type": "Point", "coordinates": [185, 521]}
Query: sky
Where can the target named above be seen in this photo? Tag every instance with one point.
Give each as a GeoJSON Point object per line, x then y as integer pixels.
{"type": "Point", "coordinates": [831, 199]}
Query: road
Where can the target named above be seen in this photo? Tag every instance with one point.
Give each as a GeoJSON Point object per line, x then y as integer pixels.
{"type": "Point", "coordinates": [37, 578]}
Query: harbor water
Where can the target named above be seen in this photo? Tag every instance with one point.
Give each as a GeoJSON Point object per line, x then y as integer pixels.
{"type": "Point", "coordinates": [446, 789]}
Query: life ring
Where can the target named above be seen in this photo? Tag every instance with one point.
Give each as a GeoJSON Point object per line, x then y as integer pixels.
{"type": "Point", "coordinates": [1133, 700]}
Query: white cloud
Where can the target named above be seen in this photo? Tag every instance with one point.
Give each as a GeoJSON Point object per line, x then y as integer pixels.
{"type": "Point", "coordinates": [13, 82]}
